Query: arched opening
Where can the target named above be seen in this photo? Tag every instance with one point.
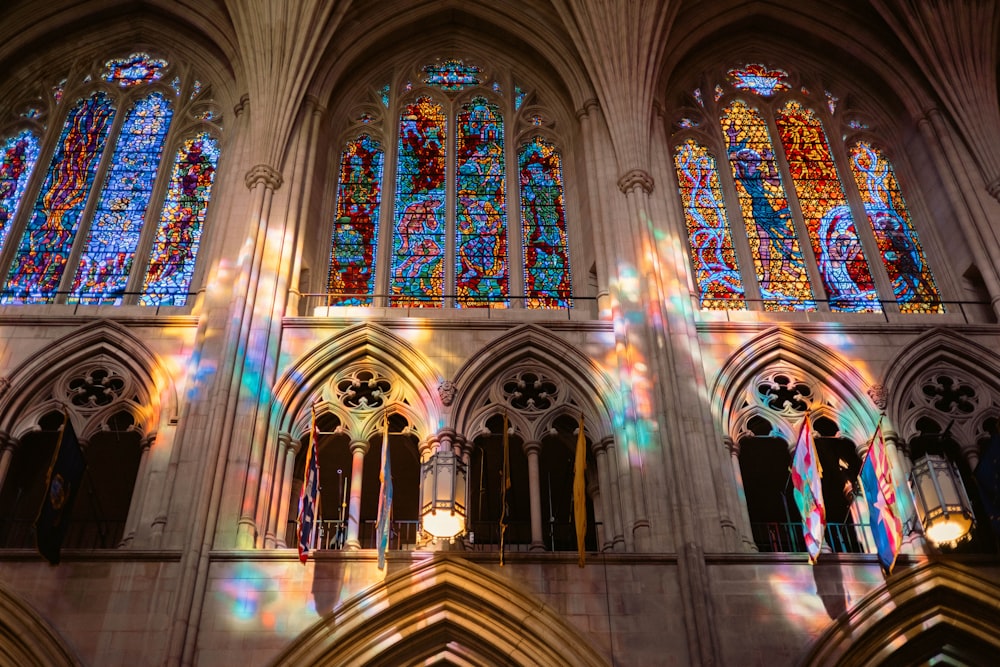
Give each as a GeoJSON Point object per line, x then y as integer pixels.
{"type": "Point", "coordinates": [556, 462]}
{"type": "Point", "coordinates": [404, 462]}
{"type": "Point", "coordinates": [486, 497]}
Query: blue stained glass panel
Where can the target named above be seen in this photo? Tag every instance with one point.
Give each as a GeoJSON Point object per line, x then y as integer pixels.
{"type": "Point", "coordinates": [543, 220]}
{"type": "Point", "coordinates": [133, 70]}
{"type": "Point", "coordinates": [481, 215]}
{"type": "Point", "coordinates": [418, 244]}
{"type": "Point", "coordinates": [41, 258]}
{"type": "Point", "coordinates": [172, 259]}
{"type": "Point", "coordinates": [114, 233]}
{"type": "Point", "coordinates": [20, 152]}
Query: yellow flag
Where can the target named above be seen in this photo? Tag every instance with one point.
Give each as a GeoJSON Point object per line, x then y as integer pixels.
{"type": "Point", "coordinates": [580, 492]}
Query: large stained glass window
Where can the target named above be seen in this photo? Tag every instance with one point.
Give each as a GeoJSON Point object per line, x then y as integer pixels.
{"type": "Point", "coordinates": [88, 235]}
{"type": "Point", "coordinates": [351, 279]}
{"type": "Point", "coordinates": [449, 242]}
{"type": "Point", "coordinates": [801, 234]}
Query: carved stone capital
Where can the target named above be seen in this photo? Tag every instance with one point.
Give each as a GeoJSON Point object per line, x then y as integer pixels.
{"type": "Point", "coordinates": [242, 105]}
{"type": "Point", "coordinates": [588, 107]}
{"type": "Point", "coordinates": [636, 178]}
{"type": "Point", "coordinates": [266, 174]}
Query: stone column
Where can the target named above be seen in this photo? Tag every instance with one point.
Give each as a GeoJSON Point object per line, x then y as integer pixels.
{"type": "Point", "coordinates": [281, 525]}
{"type": "Point", "coordinates": [358, 450]}
{"type": "Point", "coordinates": [139, 494]}
{"type": "Point", "coordinates": [746, 531]}
{"type": "Point", "coordinates": [7, 447]}
{"type": "Point", "coordinates": [275, 530]}
{"type": "Point", "coordinates": [531, 450]}
{"type": "Point", "coordinates": [608, 532]}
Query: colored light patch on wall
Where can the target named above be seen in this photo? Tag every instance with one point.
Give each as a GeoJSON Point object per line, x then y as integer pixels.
{"type": "Point", "coordinates": [716, 270]}
{"type": "Point", "coordinates": [175, 248]}
{"type": "Point", "coordinates": [834, 238]}
{"type": "Point", "coordinates": [133, 70]}
{"type": "Point", "coordinates": [418, 245]}
{"type": "Point", "coordinates": [41, 258]}
{"type": "Point", "coordinates": [351, 281]}
{"type": "Point", "coordinates": [912, 282]}
{"type": "Point", "coordinates": [107, 257]}
{"type": "Point", "coordinates": [778, 260]}
{"type": "Point", "coordinates": [758, 79]}
{"type": "Point", "coordinates": [543, 227]}
{"type": "Point", "coordinates": [481, 208]}
{"type": "Point", "coordinates": [20, 152]}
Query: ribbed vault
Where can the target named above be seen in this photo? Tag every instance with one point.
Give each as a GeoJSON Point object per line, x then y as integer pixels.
{"type": "Point", "coordinates": [444, 610]}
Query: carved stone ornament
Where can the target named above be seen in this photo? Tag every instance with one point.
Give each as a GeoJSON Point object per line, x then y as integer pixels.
{"type": "Point", "coordinates": [878, 395]}
{"type": "Point", "coordinates": [446, 390]}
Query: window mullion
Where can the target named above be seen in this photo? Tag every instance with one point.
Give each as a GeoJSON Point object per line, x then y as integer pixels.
{"type": "Point", "coordinates": [122, 105]}
{"type": "Point", "coordinates": [515, 227]}
{"type": "Point", "coordinates": [451, 199]}
{"type": "Point", "coordinates": [387, 220]}
{"type": "Point", "coordinates": [798, 219]}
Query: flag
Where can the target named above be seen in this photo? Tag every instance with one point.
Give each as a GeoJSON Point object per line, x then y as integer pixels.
{"type": "Point", "coordinates": [309, 498]}
{"type": "Point", "coordinates": [988, 480]}
{"type": "Point", "coordinates": [504, 486]}
{"type": "Point", "coordinates": [580, 492]}
{"type": "Point", "coordinates": [880, 490]}
{"type": "Point", "coordinates": [62, 484]}
{"type": "Point", "coordinates": [808, 490]}
{"type": "Point", "coordinates": [382, 527]}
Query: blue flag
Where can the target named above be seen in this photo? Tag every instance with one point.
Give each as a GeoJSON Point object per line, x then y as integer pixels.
{"type": "Point", "coordinates": [61, 487]}
{"type": "Point", "coordinates": [988, 480]}
{"type": "Point", "coordinates": [383, 526]}
{"type": "Point", "coordinates": [309, 499]}
{"type": "Point", "coordinates": [880, 490]}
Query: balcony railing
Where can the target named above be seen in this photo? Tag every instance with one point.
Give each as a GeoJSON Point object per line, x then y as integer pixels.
{"type": "Point", "coordinates": [846, 538]}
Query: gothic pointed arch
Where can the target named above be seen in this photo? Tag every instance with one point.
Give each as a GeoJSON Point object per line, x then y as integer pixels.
{"type": "Point", "coordinates": [363, 342]}
{"type": "Point", "coordinates": [532, 346]}
{"type": "Point", "coordinates": [442, 606]}
{"type": "Point", "coordinates": [783, 348]}
{"type": "Point", "coordinates": [106, 348]}
{"type": "Point", "coordinates": [27, 639]}
{"type": "Point", "coordinates": [940, 609]}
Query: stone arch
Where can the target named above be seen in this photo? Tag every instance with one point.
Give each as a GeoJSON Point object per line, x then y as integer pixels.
{"type": "Point", "coordinates": [26, 639]}
{"type": "Point", "coordinates": [305, 378]}
{"type": "Point", "coordinates": [938, 608]}
{"type": "Point", "coordinates": [945, 350]}
{"type": "Point", "coordinates": [532, 345]}
{"type": "Point", "coordinates": [24, 396]}
{"type": "Point", "coordinates": [442, 606]}
{"type": "Point", "coordinates": [781, 347]}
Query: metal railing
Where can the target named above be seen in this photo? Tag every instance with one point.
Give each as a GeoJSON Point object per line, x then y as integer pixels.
{"type": "Point", "coordinates": [845, 538]}
{"type": "Point", "coordinates": [541, 302]}
{"type": "Point", "coordinates": [332, 534]}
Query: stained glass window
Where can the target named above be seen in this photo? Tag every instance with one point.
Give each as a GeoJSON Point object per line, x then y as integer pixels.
{"type": "Point", "coordinates": [171, 262]}
{"type": "Point", "coordinates": [912, 282]}
{"type": "Point", "coordinates": [780, 265]}
{"type": "Point", "coordinates": [20, 152]}
{"type": "Point", "coordinates": [355, 231]}
{"type": "Point", "coordinates": [86, 240]}
{"type": "Point", "coordinates": [800, 217]}
{"type": "Point", "coordinates": [45, 247]}
{"type": "Point", "coordinates": [835, 243]}
{"type": "Point", "coordinates": [419, 242]}
{"type": "Point", "coordinates": [543, 220]}
{"type": "Point", "coordinates": [481, 216]}
{"type": "Point", "coordinates": [709, 238]}
{"type": "Point", "coordinates": [117, 224]}
{"type": "Point", "coordinates": [450, 242]}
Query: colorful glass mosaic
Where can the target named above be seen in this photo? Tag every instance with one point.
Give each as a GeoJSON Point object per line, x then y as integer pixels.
{"type": "Point", "coordinates": [351, 281]}
{"type": "Point", "coordinates": [41, 258]}
{"type": "Point", "coordinates": [835, 242]}
{"type": "Point", "coordinates": [758, 79]}
{"type": "Point", "coordinates": [904, 261]}
{"type": "Point", "coordinates": [481, 208]}
{"type": "Point", "coordinates": [418, 244]}
{"type": "Point", "coordinates": [133, 70]}
{"type": "Point", "coordinates": [20, 152]}
{"type": "Point", "coordinates": [543, 218]}
{"type": "Point", "coordinates": [114, 234]}
{"type": "Point", "coordinates": [519, 96]}
{"type": "Point", "coordinates": [716, 270]}
{"type": "Point", "coordinates": [172, 258]}
{"type": "Point", "coordinates": [451, 75]}
{"type": "Point", "coordinates": [384, 95]}
{"type": "Point", "coordinates": [779, 263]}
